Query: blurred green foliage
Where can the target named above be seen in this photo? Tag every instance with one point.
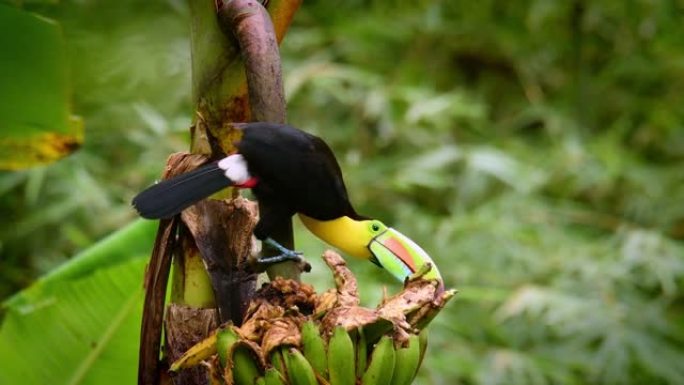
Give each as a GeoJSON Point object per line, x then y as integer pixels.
{"type": "Point", "coordinates": [37, 127]}
{"type": "Point", "coordinates": [534, 148]}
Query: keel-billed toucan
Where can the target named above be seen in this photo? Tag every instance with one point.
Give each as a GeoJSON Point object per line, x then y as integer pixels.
{"type": "Point", "coordinates": [290, 172]}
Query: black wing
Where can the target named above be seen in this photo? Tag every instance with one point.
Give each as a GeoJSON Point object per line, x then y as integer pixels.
{"type": "Point", "coordinates": [171, 196]}
{"type": "Point", "coordinates": [296, 170]}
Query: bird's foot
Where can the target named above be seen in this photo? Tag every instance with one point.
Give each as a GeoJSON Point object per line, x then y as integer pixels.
{"type": "Point", "coordinates": [285, 254]}
{"type": "Point", "coordinates": [270, 260]}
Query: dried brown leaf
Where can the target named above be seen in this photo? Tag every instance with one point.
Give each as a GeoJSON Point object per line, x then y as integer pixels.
{"type": "Point", "coordinates": [347, 287]}
{"type": "Point", "coordinates": [282, 331]}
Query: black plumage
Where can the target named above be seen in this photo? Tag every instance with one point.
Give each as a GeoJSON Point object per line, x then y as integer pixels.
{"type": "Point", "coordinates": [170, 196]}
{"type": "Point", "coordinates": [296, 172]}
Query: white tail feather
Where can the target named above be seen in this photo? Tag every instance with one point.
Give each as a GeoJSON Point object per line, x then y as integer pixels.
{"type": "Point", "coordinates": [235, 168]}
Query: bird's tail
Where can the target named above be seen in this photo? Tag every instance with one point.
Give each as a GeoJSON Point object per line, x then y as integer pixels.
{"type": "Point", "coordinates": [171, 196]}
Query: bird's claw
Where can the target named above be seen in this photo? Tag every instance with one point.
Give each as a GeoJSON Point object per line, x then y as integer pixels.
{"type": "Point", "coordinates": [288, 255]}
{"type": "Point", "coordinates": [285, 254]}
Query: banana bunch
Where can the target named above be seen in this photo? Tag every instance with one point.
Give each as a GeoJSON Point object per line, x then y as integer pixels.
{"type": "Point", "coordinates": [346, 358]}
{"type": "Point", "coordinates": [292, 336]}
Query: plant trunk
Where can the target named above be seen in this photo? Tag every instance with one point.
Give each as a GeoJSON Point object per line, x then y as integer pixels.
{"type": "Point", "coordinates": [236, 77]}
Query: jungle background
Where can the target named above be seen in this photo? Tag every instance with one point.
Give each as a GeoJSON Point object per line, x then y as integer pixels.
{"type": "Point", "coordinates": [535, 149]}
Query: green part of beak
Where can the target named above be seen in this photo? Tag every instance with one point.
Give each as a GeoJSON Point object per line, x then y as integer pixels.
{"type": "Point", "coordinates": [401, 256]}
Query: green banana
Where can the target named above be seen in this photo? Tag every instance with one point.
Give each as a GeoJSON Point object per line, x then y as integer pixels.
{"type": "Point", "coordinates": [361, 352]}
{"type": "Point", "coordinates": [273, 377]}
{"type": "Point", "coordinates": [341, 362]}
{"type": "Point", "coordinates": [406, 362]}
{"type": "Point", "coordinates": [313, 347]}
{"type": "Point", "coordinates": [196, 354]}
{"type": "Point", "coordinates": [423, 338]}
{"type": "Point", "coordinates": [245, 369]}
{"type": "Point", "coordinates": [225, 339]}
{"type": "Point", "coordinates": [381, 366]}
{"type": "Point", "coordinates": [279, 363]}
{"type": "Point", "coordinates": [299, 370]}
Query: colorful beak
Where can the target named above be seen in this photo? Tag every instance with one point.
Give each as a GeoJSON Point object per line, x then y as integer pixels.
{"type": "Point", "coordinates": [401, 256]}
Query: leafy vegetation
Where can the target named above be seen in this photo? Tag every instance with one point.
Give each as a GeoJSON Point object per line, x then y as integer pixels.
{"type": "Point", "coordinates": [534, 148]}
{"type": "Point", "coordinates": [36, 123]}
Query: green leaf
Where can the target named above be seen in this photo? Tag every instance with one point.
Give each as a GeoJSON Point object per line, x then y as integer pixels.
{"type": "Point", "coordinates": [35, 120]}
{"type": "Point", "coordinates": [132, 242]}
{"type": "Point", "coordinates": [84, 331]}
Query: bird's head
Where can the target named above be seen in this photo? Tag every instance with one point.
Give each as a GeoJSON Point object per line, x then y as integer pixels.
{"type": "Point", "coordinates": [373, 240]}
{"type": "Point", "coordinates": [396, 253]}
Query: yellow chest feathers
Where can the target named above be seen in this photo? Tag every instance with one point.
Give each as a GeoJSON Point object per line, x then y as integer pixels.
{"type": "Point", "coordinates": [350, 236]}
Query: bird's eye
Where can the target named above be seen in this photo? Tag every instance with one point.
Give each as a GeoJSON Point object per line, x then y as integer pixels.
{"type": "Point", "coordinates": [376, 227]}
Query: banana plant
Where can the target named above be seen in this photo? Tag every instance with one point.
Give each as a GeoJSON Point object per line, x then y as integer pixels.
{"type": "Point", "coordinates": [292, 335]}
